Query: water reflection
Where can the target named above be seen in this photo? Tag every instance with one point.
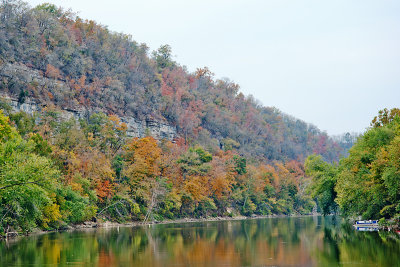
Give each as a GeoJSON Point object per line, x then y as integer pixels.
{"type": "Point", "coordinates": [302, 241]}
{"type": "Point", "coordinates": [367, 229]}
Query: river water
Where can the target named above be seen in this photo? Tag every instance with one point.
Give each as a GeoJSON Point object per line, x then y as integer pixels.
{"type": "Point", "coordinates": [294, 241]}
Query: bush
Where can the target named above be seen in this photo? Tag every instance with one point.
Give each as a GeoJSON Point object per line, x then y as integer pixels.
{"type": "Point", "coordinates": [74, 208]}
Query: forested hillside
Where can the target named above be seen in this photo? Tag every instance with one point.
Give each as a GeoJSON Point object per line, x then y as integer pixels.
{"type": "Point", "coordinates": [110, 72]}
{"type": "Point", "coordinates": [231, 156]}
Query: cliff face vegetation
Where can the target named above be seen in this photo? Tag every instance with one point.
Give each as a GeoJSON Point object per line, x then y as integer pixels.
{"type": "Point", "coordinates": [229, 153]}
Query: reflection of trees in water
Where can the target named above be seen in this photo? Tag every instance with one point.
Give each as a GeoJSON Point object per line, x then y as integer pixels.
{"type": "Point", "coordinates": [330, 254]}
{"type": "Point", "coordinates": [282, 241]}
{"type": "Point", "coordinates": [343, 245]}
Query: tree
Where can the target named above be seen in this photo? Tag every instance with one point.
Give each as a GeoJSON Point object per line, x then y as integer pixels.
{"type": "Point", "coordinates": [385, 117]}
{"type": "Point", "coordinates": [323, 183]}
{"type": "Point", "coordinates": [52, 72]}
{"type": "Point", "coordinates": [27, 181]}
{"type": "Point", "coordinates": [6, 131]}
{"type": "Point", "coordinates": [143, 172]}
{"type": "Point", "coordinates": [366, 182]}
{"type": "Point", "coordinates": [163, 57]}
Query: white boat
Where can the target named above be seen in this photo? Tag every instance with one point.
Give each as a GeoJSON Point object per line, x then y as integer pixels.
{"type": "Point", "coordinates": [367, 225]}
{"type": "Point", "coordinates": [370, 223]}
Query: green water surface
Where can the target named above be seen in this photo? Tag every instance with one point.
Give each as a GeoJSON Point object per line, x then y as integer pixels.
{"type": "Point", "coordinates": [294, 241]}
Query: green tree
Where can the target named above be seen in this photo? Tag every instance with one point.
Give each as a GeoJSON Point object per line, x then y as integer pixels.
{"type": "Point", "coordinates": [163, 57]}
{"type": "Point", "coordinates": [27, 183]}
{"type": "Point", "coordinates": [366, 183]}
{"type": "Point", "coordinates": [368, 178]}
{"type": "Point", "coordinates": [323, 183]}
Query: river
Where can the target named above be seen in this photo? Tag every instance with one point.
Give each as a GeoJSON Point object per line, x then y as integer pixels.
{"type": "Point", "coordinates": [287, 241]}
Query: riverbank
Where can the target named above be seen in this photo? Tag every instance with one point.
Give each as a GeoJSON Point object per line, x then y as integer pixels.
{"type": "Point", "coordinates": [109, 224]}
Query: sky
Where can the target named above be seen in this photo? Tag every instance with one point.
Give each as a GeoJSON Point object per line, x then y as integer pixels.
{"type": "Point", "coordinates": [334, 64]}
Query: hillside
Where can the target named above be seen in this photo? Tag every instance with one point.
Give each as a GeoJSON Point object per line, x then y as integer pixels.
{"type": "Point", "coordinates": [93, 127]}
{"type": "Point", "coordinates": [84, 65]}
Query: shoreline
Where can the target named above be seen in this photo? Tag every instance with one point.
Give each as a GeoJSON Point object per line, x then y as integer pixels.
{"type": "Point", "coordinates": [108, 224]}
{"type": "Point", "coordinates": [88, 225]}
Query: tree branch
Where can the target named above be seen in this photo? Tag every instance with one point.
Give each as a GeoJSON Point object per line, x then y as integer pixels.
{"type": "Point", "coordinates": [119, 201]}
{"type": "Point", "coordinates": [18, 184]}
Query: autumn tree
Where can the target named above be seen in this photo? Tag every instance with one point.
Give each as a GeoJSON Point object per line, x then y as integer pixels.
{"type": "Point", "coordinates": [384, 117]}
{"type": "Point", "coordinates": [143, 172]}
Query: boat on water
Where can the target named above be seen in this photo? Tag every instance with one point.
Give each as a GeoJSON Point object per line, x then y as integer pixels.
{"type": "Point", "coordinates": [367, 225]}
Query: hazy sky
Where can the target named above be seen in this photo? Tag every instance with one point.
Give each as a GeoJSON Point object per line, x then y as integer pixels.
{"type": "Point", "coordinates": [331, 63]}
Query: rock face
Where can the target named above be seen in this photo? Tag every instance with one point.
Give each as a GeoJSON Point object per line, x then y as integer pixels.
{"type": "Point", "coordinates": [141, 128]}
{"type": "Point", "coordinates": [136, 128]}
{"type": "Point", "coordinates": [24, 75]}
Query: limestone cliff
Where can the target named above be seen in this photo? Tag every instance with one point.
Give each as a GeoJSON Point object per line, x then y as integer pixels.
{"type": "Point", "coordinates": [13, 77]}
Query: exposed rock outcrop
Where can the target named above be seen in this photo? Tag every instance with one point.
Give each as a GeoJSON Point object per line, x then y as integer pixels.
{"type": "Point", "coordinates": [22, 75]}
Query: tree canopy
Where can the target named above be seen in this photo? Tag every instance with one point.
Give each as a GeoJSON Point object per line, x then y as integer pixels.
{"type": "Point", "coordinates": [367, 182]}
